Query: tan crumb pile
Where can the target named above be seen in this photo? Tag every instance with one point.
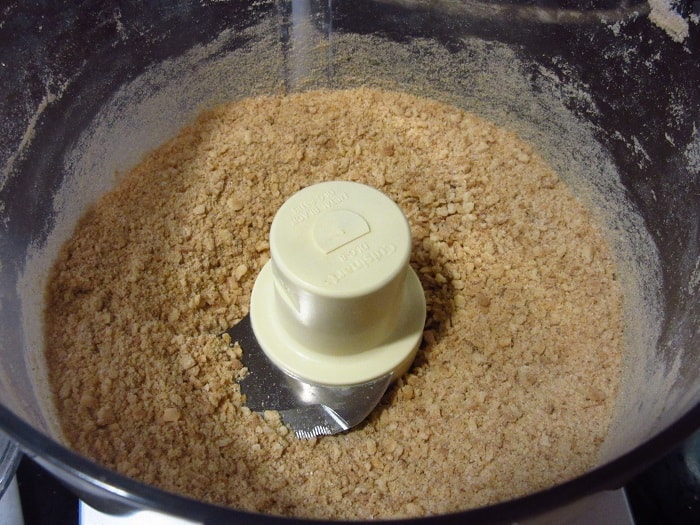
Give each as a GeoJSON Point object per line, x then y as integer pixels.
{"type": "Point", "coordinates": [514, 385]}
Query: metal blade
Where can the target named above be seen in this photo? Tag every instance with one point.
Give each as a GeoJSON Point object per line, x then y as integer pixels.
{"type": "Point", "coordinates": [311, 421]}
{"type": "Point", "coordinates": [310, 410]}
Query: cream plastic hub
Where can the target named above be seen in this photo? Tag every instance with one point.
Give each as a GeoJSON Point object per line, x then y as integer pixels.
{"type": "Point", "coordinates": [338, 303]}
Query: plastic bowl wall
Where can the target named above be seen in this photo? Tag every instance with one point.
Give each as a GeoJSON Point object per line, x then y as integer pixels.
{"type": "Point", "coordinates": [607, 91]}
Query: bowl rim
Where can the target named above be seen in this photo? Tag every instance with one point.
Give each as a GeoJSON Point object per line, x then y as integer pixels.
{"type": "Point", "coordinates": [132, 493]}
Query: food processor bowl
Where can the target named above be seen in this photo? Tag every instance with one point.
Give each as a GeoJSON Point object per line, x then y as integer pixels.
{"type": "Point", "coordinates": [606, 91]}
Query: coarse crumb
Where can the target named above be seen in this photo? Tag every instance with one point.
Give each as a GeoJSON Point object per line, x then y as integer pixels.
{"type": "Point", "coordinates": [514, 385]}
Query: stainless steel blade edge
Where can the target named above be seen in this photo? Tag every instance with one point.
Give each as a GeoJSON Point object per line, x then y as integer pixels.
{"type": "Point", "coordinates": [310, 410]}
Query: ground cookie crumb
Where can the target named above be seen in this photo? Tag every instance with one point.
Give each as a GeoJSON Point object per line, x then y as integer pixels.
{"type": "Point", "coordinates": [512, 390]}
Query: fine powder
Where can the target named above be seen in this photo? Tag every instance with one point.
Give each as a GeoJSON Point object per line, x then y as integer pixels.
{"type": "Point", "coordinates": [514, 385]}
